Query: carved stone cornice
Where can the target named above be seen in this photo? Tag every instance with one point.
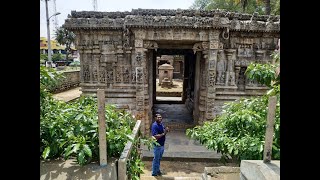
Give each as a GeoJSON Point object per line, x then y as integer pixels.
{"type": "Point", "coordinates": [172, 19]}
{"type": "Point", "coordinates": [170, 12]}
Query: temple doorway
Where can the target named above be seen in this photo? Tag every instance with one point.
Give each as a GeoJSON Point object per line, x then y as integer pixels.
{"type": "Point", "coordinates": [173, 86]}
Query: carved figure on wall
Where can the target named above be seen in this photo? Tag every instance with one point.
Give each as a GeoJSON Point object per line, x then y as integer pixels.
{"type": "Point", "coordinates": [138, 58]}
{"type": "Point", "coordinates": [126, 35]}
{"type": "Point", "coordinates": [133, 77]}
{"type": "Point", "coordinates": [95, 74]}
{"type": "Point", "coordinates": [102, 76]}
{"type": "Point", "coordinates": [118, 74]}
{"type": "Point", "coordinates": [126, 75]}
{"type": "Point", "coordinates": [86, 73]}
{"type": "Point", "coordinates": [221, 68]}
{"type": "Point", "coordinates": [139, 74]}
{"type": "Point", "coordinates": [110, 76]}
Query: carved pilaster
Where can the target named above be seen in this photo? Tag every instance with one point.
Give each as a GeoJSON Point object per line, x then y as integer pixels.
{"type": "Point", "coordinates": [139, 62]}
{"type": "Point", "coordinates": [211, 77]}
{"type": "Point", "coordinates": [221, 68]}
{"type": "Point", "coordinates": [230, 74]}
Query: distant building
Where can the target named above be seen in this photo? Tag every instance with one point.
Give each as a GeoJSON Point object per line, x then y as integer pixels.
{"type": "Point", "coordinates": [56, 48]}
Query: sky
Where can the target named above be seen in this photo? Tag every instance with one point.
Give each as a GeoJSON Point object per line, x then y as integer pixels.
{"type": "Point", "coordinates": [66, 6]}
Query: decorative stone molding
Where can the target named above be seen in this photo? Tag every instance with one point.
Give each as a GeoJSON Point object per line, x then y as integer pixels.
{"type": "Point", "coordinates": [172, 18]}
{"type": "Point", "coordinates": [197, 47]}
{"type": "Point", "coordinates": [150, 45]}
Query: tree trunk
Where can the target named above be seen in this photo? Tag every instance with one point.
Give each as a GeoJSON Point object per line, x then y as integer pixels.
{"type": "Point", "coordinates": [268, 8]}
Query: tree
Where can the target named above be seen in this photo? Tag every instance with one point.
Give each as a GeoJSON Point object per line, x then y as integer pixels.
{"type": "Point", "coordinates": [245, 6]}
{"type": "Point", "coordinates": [65, 37]}
{"type": "Point", "coordinates": [57, 57]}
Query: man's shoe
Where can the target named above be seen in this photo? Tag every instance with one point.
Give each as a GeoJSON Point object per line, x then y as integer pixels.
{"type": "Point", "coordinates": [154, 174]}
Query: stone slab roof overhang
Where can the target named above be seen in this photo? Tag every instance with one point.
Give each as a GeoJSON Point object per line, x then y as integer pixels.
{"type": "Point", "coordinates": [163, 18]}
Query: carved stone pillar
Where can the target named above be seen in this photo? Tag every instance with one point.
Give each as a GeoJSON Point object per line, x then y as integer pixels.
{"type": "Point", "coordinates": [140, 66]}
{"type": "Point", "coordinates": [211, 61]}
{"type": "Point", "coordinates": [230, 74]}
{"type": "Point", "coordinates": [203, 66]}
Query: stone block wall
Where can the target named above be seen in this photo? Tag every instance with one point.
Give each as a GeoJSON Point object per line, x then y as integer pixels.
{"type": "Point", "coordinates": [72, 79]}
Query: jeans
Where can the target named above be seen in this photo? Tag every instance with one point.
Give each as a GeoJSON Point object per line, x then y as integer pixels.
{"type": "Point", "coordinates": [157, 152]}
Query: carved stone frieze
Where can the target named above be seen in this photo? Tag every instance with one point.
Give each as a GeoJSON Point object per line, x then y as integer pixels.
{"type": "Point", "coordinates": [211, 78]}
{"type": "Point", "coordinates": [140, 100]}
{"type": "Point", "coordinates": [102, 76]}
{"type": "Point", "coordinates": [138, 58]}
{"type": "Point", "coordinates": [138, 43]}
{"type": "Point", "coordinates": [126, 38]}
{"type": "Point", "coordinates": [139, 75]}
{"type": "Point", "coordinates": [210, 103]}
{"type": "Point", "coordinates": [110, 76]}
{"type": "Point", "coordinates": [118, 74]}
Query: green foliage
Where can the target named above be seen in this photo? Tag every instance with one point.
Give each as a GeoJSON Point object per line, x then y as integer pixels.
{"type": "Point", "coordinates": [42, 62]}
{"type": "Point", "coordinates": [43, 57]}
{"type": "Point", "coordinates": [239, 132]}
{"type": "Point", "coordinates": [49, 80]}
{"type": "Point", "coordinates": [263, 73]}
{"type": "Point", "coordinates": [245, 6]}
{"type": "Point", "coordinates": [200, 4]}
{"type": "Point", "coordinates": [57, 57]}
{"type": "Point", "coordinates": [65, 37]}
{"type": "Point", "coordinates": [135, 165]}
{"type": "Point", "coordinates": [275, 7]}
{"type": "Point", "coordinates": [230, 5]}
{"type": "Point", "coordinates": [71, 130]}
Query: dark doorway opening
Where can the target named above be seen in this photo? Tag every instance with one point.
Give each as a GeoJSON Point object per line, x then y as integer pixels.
{"type": "Point", "coordinates": [173, 101]}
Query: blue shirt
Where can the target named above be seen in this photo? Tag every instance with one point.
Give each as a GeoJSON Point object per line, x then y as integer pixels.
{"type": "Point", "coordinates": [158, 129]}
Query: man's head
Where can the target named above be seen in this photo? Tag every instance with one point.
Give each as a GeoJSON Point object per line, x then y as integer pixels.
{"type": "Point", "coordinates": [158, 118]}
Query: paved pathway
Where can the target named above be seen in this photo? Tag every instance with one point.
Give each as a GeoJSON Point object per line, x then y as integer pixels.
{"type": "Point", "coordinates": [179, 147]}
{"type": "Point", "coordinates": [68, 95]}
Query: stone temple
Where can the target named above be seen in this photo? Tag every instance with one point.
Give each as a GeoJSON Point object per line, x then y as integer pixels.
{"type": "Point", "coordinates": [119, 50]}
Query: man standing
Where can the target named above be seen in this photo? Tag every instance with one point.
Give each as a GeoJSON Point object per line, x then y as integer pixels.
{"type": "Point", "coordinates": [159, 132]}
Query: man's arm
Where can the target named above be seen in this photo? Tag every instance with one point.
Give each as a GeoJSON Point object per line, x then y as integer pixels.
{"type": "Point", "coordinates": [157, 136]}
{"type": "Point", "coordinates": [155, 133]}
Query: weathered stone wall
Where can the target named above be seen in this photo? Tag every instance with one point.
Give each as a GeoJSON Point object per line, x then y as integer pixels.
{"type": "Point", "coordinates": [72, 79]}
{"type": "Point", "coordinates": [117, 51]}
